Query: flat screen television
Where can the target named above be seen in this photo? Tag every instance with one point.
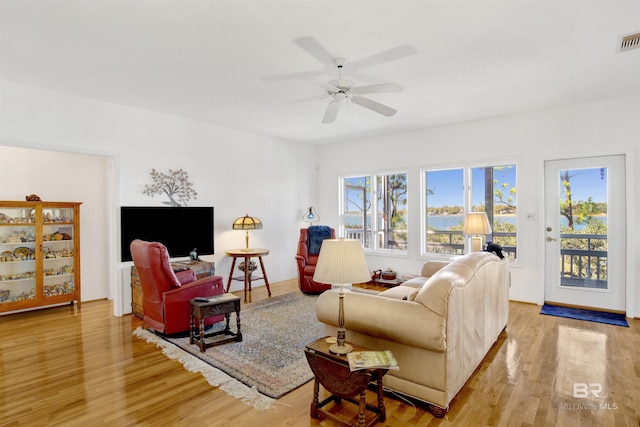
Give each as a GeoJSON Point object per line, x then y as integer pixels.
{"type": "Point", "coordinates": [180, 229]}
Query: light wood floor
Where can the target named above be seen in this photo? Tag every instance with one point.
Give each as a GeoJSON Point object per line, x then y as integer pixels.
{"type": "Point", "coordinates": [66, 366]}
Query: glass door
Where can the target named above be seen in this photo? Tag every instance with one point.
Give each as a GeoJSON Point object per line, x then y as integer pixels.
{"type": "Point", "coordinates": [58, 252]}
{"type": "Point", "coordinates": [17, 256]}
{"type": "Point", "coordinates": [584, 232]}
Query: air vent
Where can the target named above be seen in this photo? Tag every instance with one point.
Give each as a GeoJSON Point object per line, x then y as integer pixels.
{"type": "Point", "coordinates": [632, 41]}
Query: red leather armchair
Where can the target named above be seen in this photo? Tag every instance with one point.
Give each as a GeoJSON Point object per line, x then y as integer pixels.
{"type": "Point", "coordinates": [307, 264]}
{"type": "Point", "coordinates": [165, 294]}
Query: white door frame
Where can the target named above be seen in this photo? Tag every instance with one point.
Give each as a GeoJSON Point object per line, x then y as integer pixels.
{"type": "Point", "coordinates": [631, 248]}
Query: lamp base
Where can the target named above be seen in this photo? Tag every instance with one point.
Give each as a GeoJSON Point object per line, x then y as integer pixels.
{"type": "Point", "coordinates": [341, 349]}
{"type": "Point", "coordinates": [476, 244]}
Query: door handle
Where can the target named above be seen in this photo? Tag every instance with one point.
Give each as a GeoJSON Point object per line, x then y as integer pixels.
{"type": "Point", "coordinates": [550, 239]}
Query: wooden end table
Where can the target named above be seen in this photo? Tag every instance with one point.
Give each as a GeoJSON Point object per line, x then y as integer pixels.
{"type": "Point", "coordinates": [214, 306]}
{"type": "Point", "coordinates": [247, 254]}
{"type": "Point", "coordinates": [332, 371]}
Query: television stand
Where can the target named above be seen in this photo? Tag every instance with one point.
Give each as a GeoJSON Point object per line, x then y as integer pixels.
{"type": "Point", "coordinates": [200, 268]}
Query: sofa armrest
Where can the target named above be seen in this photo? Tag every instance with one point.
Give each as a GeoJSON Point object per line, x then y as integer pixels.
{"type": "Point", "coordinates": [301, 261]}
{"type": "Point", "coordinates": [405, 322]}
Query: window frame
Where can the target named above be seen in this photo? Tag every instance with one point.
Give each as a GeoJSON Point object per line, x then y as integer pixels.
{"type": "Point", "coordinates": [467, 197]}
{"type": "Point", "coordinates": [373, 194]}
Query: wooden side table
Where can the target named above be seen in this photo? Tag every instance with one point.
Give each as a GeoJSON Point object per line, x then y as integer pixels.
{"type": "Point", "coordinates": [332, 371]}
{"type": "Point", "coordinates": [247, 254]}
{"type": "Point", "coordinates": [209, 307]}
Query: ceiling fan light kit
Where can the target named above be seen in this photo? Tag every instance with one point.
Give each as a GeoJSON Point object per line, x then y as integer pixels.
{"type": "Point", "coordinates": [342, 91]}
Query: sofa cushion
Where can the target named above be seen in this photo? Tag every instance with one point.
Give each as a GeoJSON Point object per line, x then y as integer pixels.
{"type": "Point", "coordinates": [429, 268]}
{"type": "Point", "coordinates": [412, 295]}
{"type": "Point", "coordinates": [416, 282]}
{"type": "Point", "coordinates": [397, 292]}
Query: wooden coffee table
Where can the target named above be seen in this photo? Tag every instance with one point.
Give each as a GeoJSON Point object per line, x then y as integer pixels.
{"type": "Point", "coordinates": [332, 371]}
{"type": "Point", "coordinates": [214, 306]}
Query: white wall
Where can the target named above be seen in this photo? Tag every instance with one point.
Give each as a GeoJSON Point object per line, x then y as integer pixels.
{"type": "Point", "coordinates": [236, 172]}
{"type": "Point", "coordinates": [65, 177]}
{"type": "Point", "coordinates": [606, 127]}
{"type": "Point", "coordinates": [277, 180]}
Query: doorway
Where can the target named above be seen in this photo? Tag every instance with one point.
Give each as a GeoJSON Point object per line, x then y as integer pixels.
{"type": "Point", "coordinates": [585, 232]}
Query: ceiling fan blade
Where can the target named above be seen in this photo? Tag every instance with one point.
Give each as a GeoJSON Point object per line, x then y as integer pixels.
{"type": "Point", "coordinates": [332, 111]}
{"type": "Point", "coordinates": [301, 100]}
{"type": "Point", "coordinates": [327, 86]}
{"type": "Point", "coordinates": [386, 56]}
{"type": "Point", "coordinates": [377, 88]}
{"type": "Point", "coordinates": [374, 106]}
{"type": "Point", "coordinates": [315, 49]}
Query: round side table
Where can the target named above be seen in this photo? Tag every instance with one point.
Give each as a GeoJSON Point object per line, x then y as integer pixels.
{"type": "Point", "coordinates": [247, 254]}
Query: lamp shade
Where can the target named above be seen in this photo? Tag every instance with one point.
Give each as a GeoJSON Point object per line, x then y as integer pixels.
{"type": "Point", "coordinates": [311, 216]}
{"type": "Point", "coordinates": [247, 223]}
{"type": "Point", "coordinates": [341, 261]}
{"type": "Point", "coordinates": [476, 223]}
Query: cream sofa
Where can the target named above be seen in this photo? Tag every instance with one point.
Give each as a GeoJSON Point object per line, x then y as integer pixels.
{"type": "Point", "coordinates": [439, 326]}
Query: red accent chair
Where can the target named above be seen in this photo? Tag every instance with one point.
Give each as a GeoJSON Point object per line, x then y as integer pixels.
{"type": "Point", "coordinates": [307, 265]}
{"type": "Point", "coordinates": [166, 295]}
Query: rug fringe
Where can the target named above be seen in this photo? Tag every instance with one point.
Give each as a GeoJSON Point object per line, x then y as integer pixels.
{"type": "Point", "coordinates": [234, 388]}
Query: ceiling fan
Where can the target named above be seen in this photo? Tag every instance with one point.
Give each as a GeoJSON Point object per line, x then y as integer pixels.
{"type": "Point", "coordinates": [342, 91]}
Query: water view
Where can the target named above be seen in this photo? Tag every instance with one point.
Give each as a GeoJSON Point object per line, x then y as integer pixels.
{"type": "Point", "coordinates": [446, 222]}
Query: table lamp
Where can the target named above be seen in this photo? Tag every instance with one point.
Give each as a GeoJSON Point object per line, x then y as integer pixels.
{"type": "Point", "coordinates": [476, 224]}
{"type": "Point", "coordinates": [311, 216]}
{"type": "Point", "coordinates": [247, 223]}
{"type": "Point", "coordinates": [341, 263]}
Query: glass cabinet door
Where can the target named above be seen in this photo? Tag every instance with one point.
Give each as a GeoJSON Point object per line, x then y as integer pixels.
{"type": "Point", "coordinates": [57, 251]}
{"type": "Point", "coordinates": [17, 255]}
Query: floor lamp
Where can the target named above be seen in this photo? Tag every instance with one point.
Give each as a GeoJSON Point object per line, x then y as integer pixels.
{"type": "Point", "coordinates": [341, 263]}
{"type": "Point", "coordinates": [476, 224]}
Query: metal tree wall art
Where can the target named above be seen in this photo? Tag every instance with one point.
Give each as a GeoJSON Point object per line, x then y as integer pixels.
{"type": "Point", "coordinates": [175, 185]}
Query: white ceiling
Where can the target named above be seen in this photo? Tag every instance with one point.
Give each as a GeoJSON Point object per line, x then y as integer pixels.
{"type": "Point", "coordinates": [218, 61]}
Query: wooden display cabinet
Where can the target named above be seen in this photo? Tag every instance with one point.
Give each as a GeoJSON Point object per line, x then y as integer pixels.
{"type": "Point", "coordinates": [39, 254]}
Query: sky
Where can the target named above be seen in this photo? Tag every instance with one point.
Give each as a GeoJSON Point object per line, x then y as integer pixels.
{"type": "Point", "coordinates": [588, 182]}
{"type": "Point", "coordinates": [447, 186]}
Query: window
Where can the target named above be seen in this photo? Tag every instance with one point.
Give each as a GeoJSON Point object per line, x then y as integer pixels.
{"type": "Point", "coordinates": [444, 211]}
{"type": "Point", "coordinates": [374, 210]}
{"type": "Point", "coordinates": [491, 189]}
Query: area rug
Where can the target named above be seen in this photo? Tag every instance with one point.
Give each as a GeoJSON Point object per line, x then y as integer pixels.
{"type": "Point", "coordinates": [268, 363]}
{"type": "Point", "coordinates": [588, 315]}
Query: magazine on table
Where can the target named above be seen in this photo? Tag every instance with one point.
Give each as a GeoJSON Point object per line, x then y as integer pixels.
{"type": "Point", "coordinates": [372, 360]}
